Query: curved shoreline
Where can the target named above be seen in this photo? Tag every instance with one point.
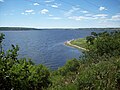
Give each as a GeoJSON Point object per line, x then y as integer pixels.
{"type": "Point", "coordinates": [68, 43]}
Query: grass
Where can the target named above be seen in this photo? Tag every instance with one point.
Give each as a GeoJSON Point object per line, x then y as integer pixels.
{"type": "Point", "coordinates": [81, 42]}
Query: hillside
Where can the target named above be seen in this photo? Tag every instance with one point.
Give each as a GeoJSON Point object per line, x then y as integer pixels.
{"type": "Point", "coordinates": [96, 69]}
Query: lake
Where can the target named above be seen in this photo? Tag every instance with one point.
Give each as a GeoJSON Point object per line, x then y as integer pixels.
{"type": "Point", "coordinates": [46, 46]}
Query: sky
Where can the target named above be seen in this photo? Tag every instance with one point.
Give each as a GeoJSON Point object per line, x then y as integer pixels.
{"type": "Point", "coordinates": [60, 13]}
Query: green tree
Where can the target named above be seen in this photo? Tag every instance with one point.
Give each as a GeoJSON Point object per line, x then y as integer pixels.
{"type": "Point", "coordinates": [21, 74]}
{"type": "Point", "coordinates": [104, 43]}
{"type": "Point", "coordinates": [70, 66]}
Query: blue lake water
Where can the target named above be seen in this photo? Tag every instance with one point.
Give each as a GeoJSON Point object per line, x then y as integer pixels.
{"type": "Point", "coordinates": [46, 46]}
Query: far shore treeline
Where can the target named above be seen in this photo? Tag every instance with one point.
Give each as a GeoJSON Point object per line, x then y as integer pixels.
{"type": "Point", "coordinates": [27, 28]}
{"type": "Point", "coordinates": [15, 28]}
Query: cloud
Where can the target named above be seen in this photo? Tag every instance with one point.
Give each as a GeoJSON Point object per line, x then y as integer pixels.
{"type": "Point", "coordinates": [55, 18]}
{"type": "Point", "coordinates": [50, 15]}
{"type": "Point", "coordinates": [48, 1]}
{"type": "Point", "coordinates": [24, 13]}
{"type": "Point", "coordinates": [77, 18]}
{"type": "Point", "coordinates": [29, 11]}
{"type": "Point", "coordinates": [44, 11]}
{"type": "Point", "coordinates": [116, 17]}
{"type": "Point", "coordinates": [56, 5]}
{"type": "Point", "coordinates": [36, 4]}
{"type": "Point", "coordinates": [1, 0]}
{"type": "Point", "coordinates": [102, 8]}
{"type": "Point", "coordinates": [71, 11]}
{"type": "Point", "coordinates": [84, 11]}
{"type": "Point", "coordinates": [97, 16]}
{"type": "Point", "coordinates": [89, 17]}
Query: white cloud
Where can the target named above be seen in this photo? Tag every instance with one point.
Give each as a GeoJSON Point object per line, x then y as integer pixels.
{"type": "Point", "coordinates": [1, 0]}
{"type": "Point", "coordinates": [116, 17]}
{"type": "Point", "coordinates": [97, 16]}
{"type": "Point", "coordinates": [89, 17]}
{"type": "Point", "coordinates": [84, 11]}
{"type": "Point", "coordinates": [36, 4]}
{"type": "Point", "coordinates": [78, 18]}
{"type": "Point", "coordinates": [109, 23]}
{"type": "Point", "coordinates": [56, 5]}
{"type": "Point", "coordinates": [24, 13]}
{"type": "Point", "coordinates": [44, 11]}
{"type": "Point", "coordinates": [71, 11]}
{"type": "Point", "coordinates": [48, 1]}
{"type": "Point", "coordinates": [29, 11]}
{"type": "Point", "coordinates": [50, 15]}
{"type": "Point", "coordinates": [55, 18]}
{"type": "Point", "coordinates": [102, 8]}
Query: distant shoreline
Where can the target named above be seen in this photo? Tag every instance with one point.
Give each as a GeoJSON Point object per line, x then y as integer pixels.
{"type": "Point", "coordinates": [16, 29]}
{"type": "Point", "coordinates": [28, 29]}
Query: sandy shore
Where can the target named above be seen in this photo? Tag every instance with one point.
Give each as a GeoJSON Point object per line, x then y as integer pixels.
{"type": "Point", "coordinates": [68, 43]}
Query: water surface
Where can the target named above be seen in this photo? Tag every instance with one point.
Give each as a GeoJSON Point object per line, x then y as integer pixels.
{"type": "Point", "coordinates": [46, 46]}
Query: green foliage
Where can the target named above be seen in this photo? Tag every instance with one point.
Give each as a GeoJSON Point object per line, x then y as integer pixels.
{"type": "Point", "coordinates": [63, 78]}
{"type": "Point", "coordinates": [100, 76]}
{"type": "Point", "coordinates": [64, 87]}
{"type": "Point", "coordinates": [90, 39]}
{"type": "Point", "coordinates": [70, 66]}
{"type": "Point", "coordinates": [105, 43]}
{"type": "Point", "coordinates": [79, 42]}
{"type": "Point", "coordinates": [1, 37]}
{"type": "Point", "coordinates": [21, 74]}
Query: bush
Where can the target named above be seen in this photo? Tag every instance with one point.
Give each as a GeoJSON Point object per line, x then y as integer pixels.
{"type": "Point", "coordinates": [21, 74]}
{"type": "Point", "coordinates": [69, 67]}
{"type": "Point", "coordinates": [100, 76]}
{"type": "Point", "coordinates": [104, 43]}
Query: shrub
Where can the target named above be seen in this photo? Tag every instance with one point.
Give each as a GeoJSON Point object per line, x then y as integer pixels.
{"type": "Point", "coordinates": [104, 43]}
{"type": "Point", "coordinates": [21, 74]}
{"type": "Point", "coordinates": [101, 76]}
{"type": "Point", "coordinates": [69, 67]}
